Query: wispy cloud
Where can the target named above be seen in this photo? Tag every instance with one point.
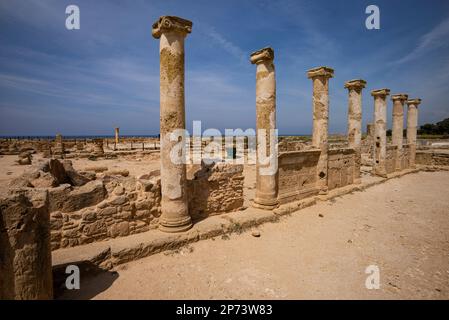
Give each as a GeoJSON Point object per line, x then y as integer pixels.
{"type": "Point", "coordinates": [220, 40]}
{"type": "Point", "coordinates": [435, 39]}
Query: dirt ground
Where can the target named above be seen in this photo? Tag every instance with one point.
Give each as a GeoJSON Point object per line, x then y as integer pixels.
{"type": "Point", "coordinates": [321, 252]}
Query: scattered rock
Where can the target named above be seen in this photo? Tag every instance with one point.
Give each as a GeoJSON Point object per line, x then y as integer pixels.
{"type": "Point", "coordinates": [96, 169]}
{"type": "Point", "coordinates": [255, 233]}
{"type": "Point", "coordinates": [320, 215]}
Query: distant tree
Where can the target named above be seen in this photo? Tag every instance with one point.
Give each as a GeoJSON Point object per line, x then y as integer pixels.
{"type": "Point", "coordinates": [389, 132]}
{"type": "Point", "coordinates": [441, 128]}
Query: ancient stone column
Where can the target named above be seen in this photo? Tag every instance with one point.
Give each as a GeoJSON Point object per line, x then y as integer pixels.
{"type": "Point", "coordinates": [398, 125]}
{"type": "Point", "coordinates": [58, 150]}
{"type": "Point", "coordinates": [25, 252]}
{"type": "Point", "coordinates": [412, 124]}
{"type": "Point", "coordinates": [172, 31]}
{"type": "Point", "coordinates": [266, 173]}
{"type": "Point", "coordinates": [117, 130]}
{"type": "Point", "coordinates": [380, 131]}
{"type": "Point", "coordinates": [355, 122]}
{"type": "Point", "coordinates": [320, 77]}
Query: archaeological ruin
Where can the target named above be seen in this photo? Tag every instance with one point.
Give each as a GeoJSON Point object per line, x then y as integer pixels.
{"type": "Point", "coordinates": [69, 205]}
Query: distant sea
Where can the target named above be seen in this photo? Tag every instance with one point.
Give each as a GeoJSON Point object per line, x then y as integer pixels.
{"type": "Point", "coordinates": [80, 137]}
{"type": "Point", "coordinates": [72, 137]}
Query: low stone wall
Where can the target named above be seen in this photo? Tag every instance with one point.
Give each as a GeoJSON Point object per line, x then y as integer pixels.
{"type": "Point", "coordinates": [297, 175]}
{"type": "Point", "coordinates": [432, 158]}
{"type": "Point", "coordinates": [116, 206]}
{"type": "Point", "coordinates": [215, 189]}
{"type": "Point", "coordinates": [341, 165]}
{"type": "Point", "coordinates": [100, 204]}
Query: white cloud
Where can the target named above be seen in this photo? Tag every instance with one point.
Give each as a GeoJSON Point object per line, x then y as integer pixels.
{"type": "Point", "coordinates": [433, 40]}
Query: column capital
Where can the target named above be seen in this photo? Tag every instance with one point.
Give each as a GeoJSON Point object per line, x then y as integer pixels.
{"type": "Point", "coordinates": [171, 23]}
{"type": "Point", "coordinates": [265, 54]}
{"type": "Point", "coordinates": [380, 92]}
{"type": "Point", "coordinates": [356, 84]}
{"type": "Point", "coordinates": [399, 97]}
{"type": "Point", "coordinates": [320, 72]}
{"type": "Point", "coordinates": [415, 102]}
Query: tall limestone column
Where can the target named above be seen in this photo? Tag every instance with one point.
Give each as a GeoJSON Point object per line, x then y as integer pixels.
{"type": "Point", "coordinates": [380, 131]}
{"type": "Point", "coordinates": [172, 31]}
{"type": "Point", "coordinates": [117, 131]}
{"type": "Point", "coordinates": [355, 122]}
{"type": "Point", "coordinates": [398, 125]}
{"type": "Point", "coordinates": [320, 77]}
{"type": "Point", "coordinates": [266, 173]}
{"type": "Point", "coordinates": [412, 124]}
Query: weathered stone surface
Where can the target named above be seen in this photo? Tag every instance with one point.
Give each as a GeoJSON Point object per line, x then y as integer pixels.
{"type": "Point", "coordinates": [57, 197]}
{"type": "Point", "coordinates": [118, 172]}
{"type": "Point", "coordinates": [215, 189]}
{"type": "Point", "coordinates": [85, 196]}
{"type": "Point", "coordinates": [75, 178]}
{"type": "Point", "coordinates": [57, 170]}
{"type": "Point", "coordinates": [45, 180]}
{"type": "Point", "coordinates": [120, 229]}
{"type": "Point", "coordinates": [25, 255]}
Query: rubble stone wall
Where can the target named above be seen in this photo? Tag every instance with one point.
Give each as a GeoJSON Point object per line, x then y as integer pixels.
{"type": "Point", "coordinates": [432, 158]}
{"type": "Point", "coordinates": [215, 189]}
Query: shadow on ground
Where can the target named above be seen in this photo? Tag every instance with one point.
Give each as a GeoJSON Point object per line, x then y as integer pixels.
{"type": "Point", "coordinates": [93, 280]}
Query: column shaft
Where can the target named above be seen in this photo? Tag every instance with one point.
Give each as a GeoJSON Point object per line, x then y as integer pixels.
{"type": "Point", "coordinates": [171, 31]}
{"type": "Point", "coordinates": [355, 122]}
{"type": "Point", "coordinates": [398, 126]}
{"type": "Point", "coordinates": [116, 135]}
{"type": "Point", "coordinates": [266, 172]}
{"type": "Point", "coordinates": [380, 131]}
{"type": "Point", "coordinates": [320, 101]}
{"type": "Point", "coordinates": [412, 124]}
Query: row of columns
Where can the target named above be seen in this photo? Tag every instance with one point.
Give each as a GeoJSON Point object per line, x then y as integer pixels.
{"type": "Point", "coordinates": [380, 133]}
{"type": "Point", "coordinates": [172, 31]}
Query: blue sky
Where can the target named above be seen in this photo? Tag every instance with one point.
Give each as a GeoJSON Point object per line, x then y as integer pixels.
{"type": "Point", "coordinates": [106, 74]}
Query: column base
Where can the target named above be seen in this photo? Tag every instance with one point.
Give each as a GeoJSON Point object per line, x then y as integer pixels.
{"type": "Point", "coordinates": [264, 206]}
{"type": "Point", "coordinates": [175, 226]}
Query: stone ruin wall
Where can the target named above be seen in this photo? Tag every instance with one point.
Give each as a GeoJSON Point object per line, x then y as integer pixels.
{"type": "Point", "coordinates": [390, 160]}
{"type": "Point", "coordinates": [87, 207]}
{"type": "Point", "coordinates": [432, 158]}
{"type": "Point", "coordinates": [297, 175]}
{"type": "Point", "coordinates": [341, 165]}
{"type": "Point", "coordinates": [215, 189]}
{"type": "Point", "coordinates": [298, 172]}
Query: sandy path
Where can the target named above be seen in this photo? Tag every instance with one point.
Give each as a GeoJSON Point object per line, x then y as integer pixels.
{"type": "Point", "coordinates": [402, 226]}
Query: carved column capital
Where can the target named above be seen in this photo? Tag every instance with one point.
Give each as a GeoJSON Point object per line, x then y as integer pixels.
{"type": "Point", "coordinates": [171, 24]}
